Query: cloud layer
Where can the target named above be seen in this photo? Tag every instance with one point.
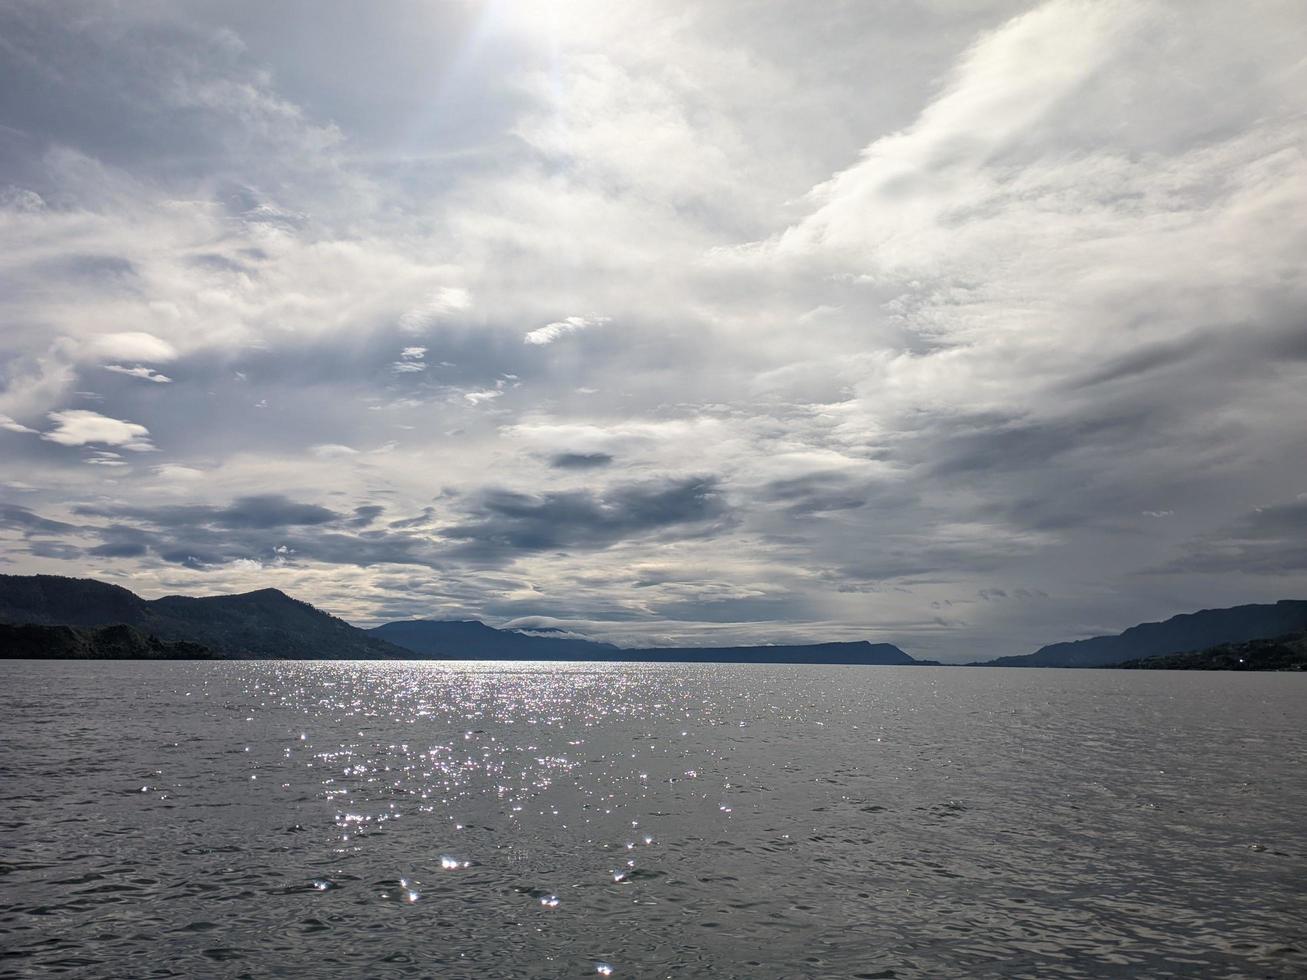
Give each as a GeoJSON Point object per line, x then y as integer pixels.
{"type": "Point", "coordinates": [970, 329]}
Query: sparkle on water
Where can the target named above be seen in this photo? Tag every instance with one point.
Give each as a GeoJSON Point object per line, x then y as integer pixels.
{"type": "Point", "coordinates": [650, 820]}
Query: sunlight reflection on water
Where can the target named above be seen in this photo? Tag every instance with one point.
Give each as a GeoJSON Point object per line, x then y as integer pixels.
{"type": "Point", "coordinates": [642, 820]}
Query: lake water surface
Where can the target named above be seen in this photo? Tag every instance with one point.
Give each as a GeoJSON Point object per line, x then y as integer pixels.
{"type": "Point", "coordinates": [542, 820]}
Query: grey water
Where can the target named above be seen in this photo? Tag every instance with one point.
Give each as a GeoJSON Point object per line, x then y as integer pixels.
{"type": "Point", "coordinates": [323, 819]}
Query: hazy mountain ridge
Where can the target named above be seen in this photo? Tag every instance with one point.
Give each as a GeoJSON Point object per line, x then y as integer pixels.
{"type": "Point", "coordinates": [473, 640]}
{"type": "Point", "coordinates": [1186, 632]}
{"type": "Point", "coordinates": [849, 652]}
{"type": "Point", "coordinates": [470, 639]}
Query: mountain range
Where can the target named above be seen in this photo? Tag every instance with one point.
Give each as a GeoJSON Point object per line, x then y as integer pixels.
{"type": "Point", "coordinates": [54, 616]}
{"type": "Point", "coordinates": [472, 640]}
{"type": "Point", "coordinates": [1179, 634]}
{"type": "Point", "coordinates": [268, 623]}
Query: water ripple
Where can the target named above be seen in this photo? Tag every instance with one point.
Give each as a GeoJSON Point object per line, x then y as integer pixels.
{"type": "Point", "coordinates": [687, 820]}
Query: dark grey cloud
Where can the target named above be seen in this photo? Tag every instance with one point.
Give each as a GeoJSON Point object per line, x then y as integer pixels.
{"type": "Point", "coordinates": [22, 519]}
{"type": "Point", "coordinates": [1268, 541]}
{"type": "Point", "coordinates": [273, 528]}
{"type": "Point", "coordinates": [988, 443]}
{"type": "Point", "coordinates": [262, 511]}
{"type": "Point", "coordinates": [580, 461]}
{"type": "Point", "coordinates": [1144, 360]}
{"type": "Point", "coordinates": [119, 549]}
{"type": "Point", "coordinates": [417, 520]}
{"type": "Point", "coordinates": [269, 528]}
{"type": "Point", "coordinates": [58, 550]}
{"type": "Point", "coordinates": [505, 523]}
{"type": "Point", "coordinates": [366, 514]}
{"type": "Point", "coordinates": [819, 493]}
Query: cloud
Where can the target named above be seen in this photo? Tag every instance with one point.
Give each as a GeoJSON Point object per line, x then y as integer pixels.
{"type": "Point", "coordinates": [1267, 541]}
{"type": "Point", "coordinates": [10, 425]}
{"type": "Point", "coordinates": [264, 511]}
{"type": "Point", "coordinates": [79, 427]}
{"type": "Point", "coordinates": [333, 450]}
{"type": "Point", "coordinates": [445, 301]}
{"type": "Point", "coordinates": [952, 308]}
{"type": "Point", "coordinates": [104, 458]}
{"type": "Point", "coordinates": [366, 514]}
{"type": "Point", "coordinates": [503, 524]}
{"type": "Point", "coordinates": [119, 549]}
{"type": "Point", "coordinates": [175, 471]}
{"type": "Point", "coordinates": [22, 519]}
{"type": "Point", "coordinates": [580, 461]}
{"type": "Point", "coordinates": [270, 528]}
{"type": "Point", "coordinates": [144, 373]}
{"type": "Point", "coordinates": [412, 360]}
{"type": "Point", "coordinates": [1001, 92]}
{"type": "Point", "coordinates": [561, 328]}
{"type": "Point", "coordinates": [131, 346]}
{"type": "Point", "coordinates": [819, 493]}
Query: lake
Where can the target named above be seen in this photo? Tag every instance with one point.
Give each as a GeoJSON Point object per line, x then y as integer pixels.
{"type": "Point", "coordinates": [543, 820]}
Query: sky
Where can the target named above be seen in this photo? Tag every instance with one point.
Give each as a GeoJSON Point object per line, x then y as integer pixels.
{"type": "Point", "coordinates": [968, 325]}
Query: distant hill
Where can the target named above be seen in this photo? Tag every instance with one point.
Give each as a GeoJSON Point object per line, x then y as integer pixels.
{"type": "Point", "coordinates": [267, 623]}
{"type": "Point", "coordinates": [472, 640]}
{"type": "Point", "coordinates": [118, 642]}
{"type": "Point", "coordinates": [468, 639]}
{"type": "Point", "coordinates": [1191, 631]}
{"type": "Point", "coordinates": [854, 652]}
{"type": "Point", "coordinates": [1287, 652]}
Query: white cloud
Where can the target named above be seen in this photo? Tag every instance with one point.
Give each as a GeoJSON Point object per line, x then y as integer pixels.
{"type": "Point", "coordinates": [333, 451]}
{"type": "Point", "coordinates": [445, 301]}
{"type": "Point", "coordinates": [78, 427]}
{"type": "Point", "coordinates": [104, 458]}
{"type": "Point", "coordinates": [144, 373]}
{"type": "Point", "coordinates": [175, 471]}
{"type": "Point", "coordinates": [131, 346]}
{"type": "Point", "coordinates": [412, 360]}
{"type": "Point", "coordinates": [561, 328]}
{"type": "Point", "coordinates": [10, 425]}
{"type": "Point", "coordinates": [20, 199]}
